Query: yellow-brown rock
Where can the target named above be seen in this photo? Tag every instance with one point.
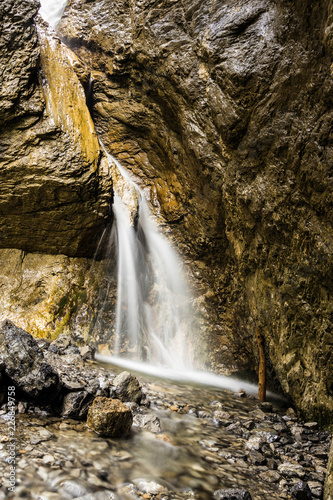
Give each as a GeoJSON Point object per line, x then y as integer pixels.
{"type": "Point", "coordinates": [109, 417]}
{"type": "Point", "coordinates": [65, 98]}
{"type": "Point", "coordinates": [55, 190]}
{"type": "Point", "coordinates": [49, 294]}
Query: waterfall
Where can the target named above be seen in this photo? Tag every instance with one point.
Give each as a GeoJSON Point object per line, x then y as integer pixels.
{"type": "Point", "coordinates": [52, 10]}
{"type": "Point", "coordinates": [152, 311]}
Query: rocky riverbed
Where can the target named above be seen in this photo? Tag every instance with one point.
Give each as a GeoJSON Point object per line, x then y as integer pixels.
{"type": "Point", "coordinates": [185, 442]}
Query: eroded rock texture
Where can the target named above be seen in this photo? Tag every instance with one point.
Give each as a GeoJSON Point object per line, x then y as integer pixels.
{"type": "Point", "coordinates": [222, 110]}
{"type": "Point", "coordinates": [50, 294]}
{"type": "Point", "coordinates": [54, 192]}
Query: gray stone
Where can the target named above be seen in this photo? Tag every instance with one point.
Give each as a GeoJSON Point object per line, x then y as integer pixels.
{"type": "Point", "coordinates": [232, 494]}
{"type": "Point", "coordinates": [257, 458]}
{"type": "Point", "coordinates": [100, 495]}
{"type": "Point", "coordinates": [291, 469]}
{"type": "Point", "coordinates": [271, 476]}
{"type": "Point", "coordinates": [76, 404]}
{"type": "Point", "coordinates": [127, 388]}
{"type": "Point", "coordinates": [301, 491]}
{"type": "Point", "coordinates": [60, 345]}
{"type": "Point", "coordinates": [316, 489]}
{"type": "Point", "coordinates": [254, 443]}
{"type": "Point", "coordinates": [149, 422]}
{"type": "Point", "coordinates": [25, 364]}
{"type": "Point", "coordinates": [149, 487]}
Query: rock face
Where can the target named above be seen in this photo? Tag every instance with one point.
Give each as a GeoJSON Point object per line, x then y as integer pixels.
{"type": "Point", "coordinates": [222, 111]}
{"type": "Point", "coordinates": [109, 417]}
{"type": "Point", "coordinates": [55, 191]}
{"type": "Point", "coordinates": [47, 294]}
{"type": "Point", "coordinates": [25, 366]}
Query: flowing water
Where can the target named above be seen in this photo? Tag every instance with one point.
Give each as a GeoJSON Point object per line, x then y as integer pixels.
{"type": "Point", "coordinates": [153, 314]}
{"type": "Point", "coordinates": [52, 10]}
{"type": "Point", "coordinates": [178, 446]}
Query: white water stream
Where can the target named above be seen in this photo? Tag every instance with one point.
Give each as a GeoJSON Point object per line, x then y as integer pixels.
{"type": "Point", "coordinates": [52, 10]}
{"type": "Point", "coordinates": [153, 316]}
{"type": "Point", "coordinates": [153, 313]}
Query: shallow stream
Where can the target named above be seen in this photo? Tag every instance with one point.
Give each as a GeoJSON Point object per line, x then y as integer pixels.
{"type": "Point", "coordinates": [187, 441]}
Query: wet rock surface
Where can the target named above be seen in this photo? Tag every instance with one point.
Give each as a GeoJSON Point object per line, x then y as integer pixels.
{"type": "Point", "coordinates": [23, 363]}
{"type": "Point", "coordinates": [127, 388]}
{"type": "Point", "coordinates": [185, 442]}
{"type": "Point", "coordinates": [222, 112]}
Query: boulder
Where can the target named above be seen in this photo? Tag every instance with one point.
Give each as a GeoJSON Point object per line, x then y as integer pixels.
{"type": "Point", "coordinates": [25, 365]}
{"type": "Point", "coordinates": [76, 404]}
{"type": "Point", "coordinates": [109, 417]}
{"type": "Point", "coordinates": [127, 388]}
{"type": "Point", "coordinates": [232, 494]}
{"type": "Point", "coordinates": [52, 194]}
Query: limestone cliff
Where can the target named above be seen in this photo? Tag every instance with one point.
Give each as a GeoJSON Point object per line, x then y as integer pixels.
{"type": "Point", "coordinates": [222, 110]}
{"type": "Point", "coordinates": [53, 195]}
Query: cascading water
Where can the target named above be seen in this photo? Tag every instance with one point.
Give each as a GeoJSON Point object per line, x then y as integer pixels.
{"type": "Point", "coordinates": [152, 311]}
{"type": "Point", "coordinates": [52, 10]}
{"type": "Point", "coordinates": [152, 317]}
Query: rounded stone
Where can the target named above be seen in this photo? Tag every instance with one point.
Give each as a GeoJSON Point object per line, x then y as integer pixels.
{"type": "Point", "coordinates": [109, 417]}
{"type": "Point", "coordinates": [232, 494]}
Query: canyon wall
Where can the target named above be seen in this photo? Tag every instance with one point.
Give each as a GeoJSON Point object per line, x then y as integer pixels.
{"type": "Point", "coordinates": [222, 111]}
{"type": "Point", "coordinates": [54, 197]}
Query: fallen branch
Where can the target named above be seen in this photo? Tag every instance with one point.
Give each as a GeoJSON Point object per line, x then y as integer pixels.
{"type": "Point", "coordinates": [262, 367]}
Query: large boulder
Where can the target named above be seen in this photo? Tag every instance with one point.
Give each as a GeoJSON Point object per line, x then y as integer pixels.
{"type": "Point", "coordinates": [24, 364]}
{"type": "Point", "coordinates": [109, 417]}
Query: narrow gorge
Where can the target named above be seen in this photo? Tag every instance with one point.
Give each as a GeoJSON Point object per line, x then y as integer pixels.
{"type": "Point", "coordinates": [216, 119]}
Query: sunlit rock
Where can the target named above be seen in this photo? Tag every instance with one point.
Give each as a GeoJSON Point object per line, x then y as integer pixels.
{"type": "Point", "coordinates": [109, 417]}
{"type": "Point", "coordinates": [54, 192]}
{"type": "Point", "coordinates": [25, 366]}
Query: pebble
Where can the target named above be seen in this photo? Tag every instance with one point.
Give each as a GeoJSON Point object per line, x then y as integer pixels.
{"type": "Point", "coordinates": [150, 487]}
{"type": "Point", "coordinates": [291, 469]}
{"type": "Point", "coordinates": [48, 459]}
